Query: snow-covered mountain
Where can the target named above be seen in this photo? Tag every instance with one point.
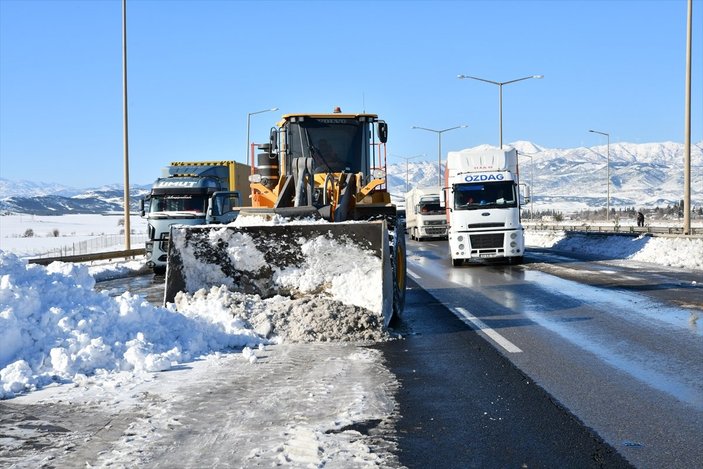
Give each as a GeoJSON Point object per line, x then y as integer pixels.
{"type": "Point", "coordinates": [641, 175]}
{"type": "Point", "coordinates": [54, 199]}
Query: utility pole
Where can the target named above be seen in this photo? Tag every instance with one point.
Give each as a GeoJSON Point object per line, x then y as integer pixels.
{"type": "Point", "coordinates": [127, 228]}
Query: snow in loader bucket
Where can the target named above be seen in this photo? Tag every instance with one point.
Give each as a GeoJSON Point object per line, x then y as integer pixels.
{"type": "Point", "coordinates": [348, 262]}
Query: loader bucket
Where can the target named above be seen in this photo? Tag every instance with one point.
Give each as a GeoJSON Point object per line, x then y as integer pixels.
{"type": "Point", "coordinates": [348, 262]}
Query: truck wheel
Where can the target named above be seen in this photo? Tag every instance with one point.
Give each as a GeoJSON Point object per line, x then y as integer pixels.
{"type": "Point", "coordinates": [159, 270]}
{"type": "Point", "coordinates": [457, 262]}
{"type": "Point", "coordinates": [517, 260]}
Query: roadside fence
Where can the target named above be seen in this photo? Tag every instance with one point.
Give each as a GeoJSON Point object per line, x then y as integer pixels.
{"type": "Point", "coordinates": [94, 245]}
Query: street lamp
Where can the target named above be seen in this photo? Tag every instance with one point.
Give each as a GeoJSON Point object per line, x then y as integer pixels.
{"type": "Point", "coordinates": [532, 184]}
{"type": "Point", "coordinates": [500, 95]}
{"type": "Point", "coordinates": [407, 159]}
{"type": "Point", "coordinates": [439, 147]}
{"type": "Point", "coordinates": [246, 155]}
{"type": "Point", "coordinates": [607, 213]}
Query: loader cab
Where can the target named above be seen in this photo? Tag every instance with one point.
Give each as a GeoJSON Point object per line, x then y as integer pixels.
{"type": "Point", "coordinates": [336, 142]}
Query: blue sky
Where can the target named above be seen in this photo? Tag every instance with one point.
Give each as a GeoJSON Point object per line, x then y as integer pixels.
{"type": "Point", "coordinates": [196, 68]}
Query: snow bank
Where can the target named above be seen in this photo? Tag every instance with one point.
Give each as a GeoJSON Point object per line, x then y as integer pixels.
{"type": "Point", "coordinates": [55, 328]}
{"type": "Point", "coordinates": [685, 253]}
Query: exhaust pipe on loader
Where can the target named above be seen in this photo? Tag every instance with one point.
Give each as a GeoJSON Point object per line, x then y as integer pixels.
{"type": "Point", "coordinates": [347, 262]}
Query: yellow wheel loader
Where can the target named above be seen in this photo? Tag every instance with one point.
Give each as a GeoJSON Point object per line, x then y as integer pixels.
{"type": "Point", "coordinates": [321, 217]}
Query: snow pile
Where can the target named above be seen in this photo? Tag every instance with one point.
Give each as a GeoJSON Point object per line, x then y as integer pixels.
{"type": "Point", "coordinates": [55, 327]}
{"type": "Point", "coordinates": [680, 252]}
{"type": "Point", "coordinates": [675, 252]}
{"type": "Point", "coordinates": [290, 264]}
{"type": "Point", "coordinates": [285, 319]}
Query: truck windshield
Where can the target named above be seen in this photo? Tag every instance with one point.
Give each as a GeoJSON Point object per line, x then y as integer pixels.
{"type": "Point", "coordinates": [178, 203]}
{"type": "Point", "coordinates": [430, 206]}
{"type": "Point", "coordinates": [334, 144]}
{"type": "Point", "coordinates": [472, 196]}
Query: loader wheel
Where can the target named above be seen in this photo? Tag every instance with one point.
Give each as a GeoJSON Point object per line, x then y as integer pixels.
{"type": "Point", "coordinates": [399, 277]}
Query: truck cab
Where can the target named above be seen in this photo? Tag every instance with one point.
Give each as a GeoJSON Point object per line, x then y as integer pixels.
{"type": "Point", "coordinates": [482, 201]}
{"type": "Point", "coordinates": [193, 193]}
{"type": "Point", "coordinates": [425, 217]}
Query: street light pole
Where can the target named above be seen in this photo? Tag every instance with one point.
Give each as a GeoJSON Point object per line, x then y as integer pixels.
{"type": "Point", "coordinates": [407, 160]}
{"type": "Point", "coordinates": [439, 147]}
{"type": "Point", "coordinates": [246, 155]}
{"type": "Point", "coordinates": [500, 96]}
{"type": "Point", "coordinates": [687, 128]}
{"type": "Point", "coordinates": [607, 213]}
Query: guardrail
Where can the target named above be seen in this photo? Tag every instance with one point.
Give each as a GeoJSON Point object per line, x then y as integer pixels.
{"type": "Point", "coordinates": [97, 256]}
{"type": "Point", "coordinates": [696, 232]}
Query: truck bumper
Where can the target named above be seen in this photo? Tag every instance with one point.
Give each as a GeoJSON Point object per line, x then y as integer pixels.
{"type": "Point", "coordinates": [486, 245]}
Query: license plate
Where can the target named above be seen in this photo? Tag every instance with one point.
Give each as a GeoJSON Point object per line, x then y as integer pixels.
{"type": "Point", "coordinates": [487, 255]}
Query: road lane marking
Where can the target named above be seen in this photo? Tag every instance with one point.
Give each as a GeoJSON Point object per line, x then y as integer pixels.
{"type": "Point", "coordinates": [412, 274]}
{"type": "Point", "coordinates": [499, 339]}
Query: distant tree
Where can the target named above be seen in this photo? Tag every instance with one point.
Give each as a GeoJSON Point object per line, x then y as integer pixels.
{"type": "Point", "coordinates": [28, 233]}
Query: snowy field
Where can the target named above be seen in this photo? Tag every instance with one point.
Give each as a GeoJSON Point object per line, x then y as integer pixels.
{"type": "Point", "coordinates": [63, 232]}
{"type": "Point", "coordinates": [63, 341]}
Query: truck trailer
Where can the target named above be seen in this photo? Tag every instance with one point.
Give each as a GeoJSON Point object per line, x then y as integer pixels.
{"type": "Point", "coordinates": [424, 217]}
{"type": "Point", "coordinates": [192, 193]}
{"type": "Point", "coordinates": [482, 202]}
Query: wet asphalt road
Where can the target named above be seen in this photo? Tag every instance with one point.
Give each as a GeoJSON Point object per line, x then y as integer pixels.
{"type": "Point", "coordinates": [462, 404]}
{"type": "Point", "coordinates": [617, 344]}
{"type": "Point", "coordinates": [606, 368]}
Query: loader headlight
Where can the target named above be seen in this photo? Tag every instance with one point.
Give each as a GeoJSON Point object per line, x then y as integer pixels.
{"type": "Point", "coordinates": [378, 174]}
{"type": "Point", "coordinates": [255, 178]}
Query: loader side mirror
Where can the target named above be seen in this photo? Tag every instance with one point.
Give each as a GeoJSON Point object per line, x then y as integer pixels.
{"type": "Point", "coordinates": [273, 139]}
{"type": "Point", "coordinates": [383, 132]}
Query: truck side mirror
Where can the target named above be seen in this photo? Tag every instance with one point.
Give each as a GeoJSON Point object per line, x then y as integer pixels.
{"type": "Point", "coordinates": [526, 194]}
{"type": "Point", "coordinates": [383, 132]}
{"type": "Point", "coordinates": [142, 212]}
{"type": "Point", "coordinates": [443, 198]}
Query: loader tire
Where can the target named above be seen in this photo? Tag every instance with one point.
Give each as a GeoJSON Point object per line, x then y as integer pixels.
{"type": "Point", "coordinates": [399, 276]}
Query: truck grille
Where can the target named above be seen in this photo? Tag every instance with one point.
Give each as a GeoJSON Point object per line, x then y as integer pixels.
{"type": "Point", "coordinates": [436, 231]}
{"type": "Point", "coordinates": [486, 241]}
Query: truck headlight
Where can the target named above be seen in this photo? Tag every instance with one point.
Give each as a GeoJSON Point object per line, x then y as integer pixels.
{"type": "Point", "coordinates": [461, 246]}
{"type": "Point", "coordinates": [460, 238]}
{"type": "Point", "coordinates": [513, 244]}
{"type": "Point", "coordinates": [513, 235]}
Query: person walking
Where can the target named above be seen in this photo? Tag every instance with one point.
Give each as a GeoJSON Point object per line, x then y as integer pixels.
{"type": "Point", "coordinates": [640, 219]}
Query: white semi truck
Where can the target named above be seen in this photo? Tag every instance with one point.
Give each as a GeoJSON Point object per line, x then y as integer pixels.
{"type": "Point", "coordinates": [482, 200]}
{"type": "Point", "coordinates": [424, 216]}
{"type": "Point", "coordinates": [192, 193]}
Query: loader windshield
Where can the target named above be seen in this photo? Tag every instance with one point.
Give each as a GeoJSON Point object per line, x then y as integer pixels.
{"type": "Point", "coordinates": [485, 195]}
{"type": "Point", "coordinates": [334, 144]}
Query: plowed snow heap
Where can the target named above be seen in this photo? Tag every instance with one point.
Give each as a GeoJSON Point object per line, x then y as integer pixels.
{"type": "Point", "coordinates": [322, 231]}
